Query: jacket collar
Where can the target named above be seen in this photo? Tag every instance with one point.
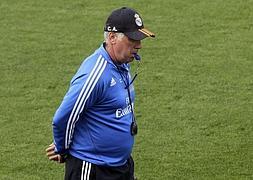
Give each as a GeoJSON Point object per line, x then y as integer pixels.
{"type": "Point", "coordinates": [107, 57]}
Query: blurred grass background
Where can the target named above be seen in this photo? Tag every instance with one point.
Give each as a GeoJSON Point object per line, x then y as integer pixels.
{"type": "Point", "coordinates": [194, 99]}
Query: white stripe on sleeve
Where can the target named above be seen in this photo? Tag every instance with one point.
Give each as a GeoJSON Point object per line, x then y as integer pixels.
{"type": "Point", "coordinates": [82, 98]}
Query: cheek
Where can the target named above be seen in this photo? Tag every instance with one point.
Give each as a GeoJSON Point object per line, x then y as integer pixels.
{"type": "Point", "coordinates": [124, 50]}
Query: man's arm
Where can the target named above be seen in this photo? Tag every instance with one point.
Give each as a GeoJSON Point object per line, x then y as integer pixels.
{"type": "Point", "coordinates": [82, 94]}
{"type": "Point", "coordinates": [65, 114]}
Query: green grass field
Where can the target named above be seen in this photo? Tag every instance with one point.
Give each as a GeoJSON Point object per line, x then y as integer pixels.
{"type": "Point", "coordinates": [194, 99]}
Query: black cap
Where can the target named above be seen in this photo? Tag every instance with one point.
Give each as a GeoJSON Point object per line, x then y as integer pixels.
{"type": "Point", "coordinates": [129, 22]}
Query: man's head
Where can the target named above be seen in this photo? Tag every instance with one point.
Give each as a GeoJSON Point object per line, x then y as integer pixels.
{"type": "Point", "coordinates": [120, 47]}
{"type": "Point", "coordinates": [124, 31]}
{"type": "Point", "coordinates": [129, 22]}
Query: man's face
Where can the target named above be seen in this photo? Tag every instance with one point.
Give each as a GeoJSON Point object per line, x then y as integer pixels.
{"type": "Point", "coordinates": [125, 48]}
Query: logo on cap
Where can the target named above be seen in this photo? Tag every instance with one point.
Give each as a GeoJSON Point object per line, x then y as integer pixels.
{"type": "Point", "coordinates": [109, 28]}
{"type": "Point", "coordinates": [138, 20]}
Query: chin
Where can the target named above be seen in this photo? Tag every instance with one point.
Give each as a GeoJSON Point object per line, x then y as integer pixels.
{"type": "Point", "coordinates": [128, 60]}
{"type": "Point", "coordinates": [131, 59]}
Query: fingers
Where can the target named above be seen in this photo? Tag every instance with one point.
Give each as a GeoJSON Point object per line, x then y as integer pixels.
{"type": "Point", "coordinates": [50, 153]}
{"type": "Point", "coordinates": [60, 159]}
{"type": "Point", "coordinates": [52, 156]}
{"type": "Point", "coordinates": [55, 157]}
{"type": "Point", "coordinates": [51, 148]}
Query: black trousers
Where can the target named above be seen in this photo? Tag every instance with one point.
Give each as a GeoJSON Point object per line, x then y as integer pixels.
{"type": "Point", "coordinates": [76, 169]}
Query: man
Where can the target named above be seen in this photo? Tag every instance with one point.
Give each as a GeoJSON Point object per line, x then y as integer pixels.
{"type": "Point", "coordinates": [94, 126]}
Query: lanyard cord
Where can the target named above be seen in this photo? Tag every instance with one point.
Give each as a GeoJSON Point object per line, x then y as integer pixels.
{"type": "Point", "coordinates": [136, 73]}
{"type": "Point", "coordinates": [127, 86]}
{"type": "Point", "coordinates": [130, 101]}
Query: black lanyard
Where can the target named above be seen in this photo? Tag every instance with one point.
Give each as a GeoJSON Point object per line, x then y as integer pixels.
{"type": "Point", "coordinates": [134, 128]}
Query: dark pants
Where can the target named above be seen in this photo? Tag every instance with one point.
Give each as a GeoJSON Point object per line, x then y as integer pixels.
{"type": "Point", "coordinates": [76, 169]}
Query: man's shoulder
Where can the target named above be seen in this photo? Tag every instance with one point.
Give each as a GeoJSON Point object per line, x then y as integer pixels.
{"type": "Point", "coordinates": [92, 61]}
{"type": "Point", "coordinates": [96, 64]}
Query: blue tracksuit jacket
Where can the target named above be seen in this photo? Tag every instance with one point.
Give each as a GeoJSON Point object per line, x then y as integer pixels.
{"type": "Point", "coordinates": [93, 121]}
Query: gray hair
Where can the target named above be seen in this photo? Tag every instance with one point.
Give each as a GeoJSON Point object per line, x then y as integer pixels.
{"type": "Point", "coordinates": [119, 35]}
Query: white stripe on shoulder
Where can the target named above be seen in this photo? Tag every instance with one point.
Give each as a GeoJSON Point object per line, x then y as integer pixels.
{"type": "Point", "coordinates": [83, 96]}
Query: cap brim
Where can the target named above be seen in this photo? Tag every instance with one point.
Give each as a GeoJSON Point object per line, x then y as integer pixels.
{"type": "Point", "coordinates": [139, 34]}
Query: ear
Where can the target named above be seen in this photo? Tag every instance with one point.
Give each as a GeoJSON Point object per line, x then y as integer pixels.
{"type": "Point", "coordinates": [112, 37]}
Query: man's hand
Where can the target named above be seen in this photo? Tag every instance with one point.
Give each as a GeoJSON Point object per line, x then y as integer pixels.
{"type": "Point", "coordinates": [52, 155]}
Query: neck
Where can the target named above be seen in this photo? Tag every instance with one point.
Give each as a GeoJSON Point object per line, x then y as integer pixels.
{"type": "Point", "coordinates": [110, 51]}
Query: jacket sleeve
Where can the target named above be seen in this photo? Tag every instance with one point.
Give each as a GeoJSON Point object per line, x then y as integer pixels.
{"type": "Point", "coordinates": [82, 94]}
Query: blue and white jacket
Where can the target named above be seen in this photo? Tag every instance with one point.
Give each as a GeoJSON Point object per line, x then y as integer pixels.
{"type": "Point", "coordinates": [93, 121]}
